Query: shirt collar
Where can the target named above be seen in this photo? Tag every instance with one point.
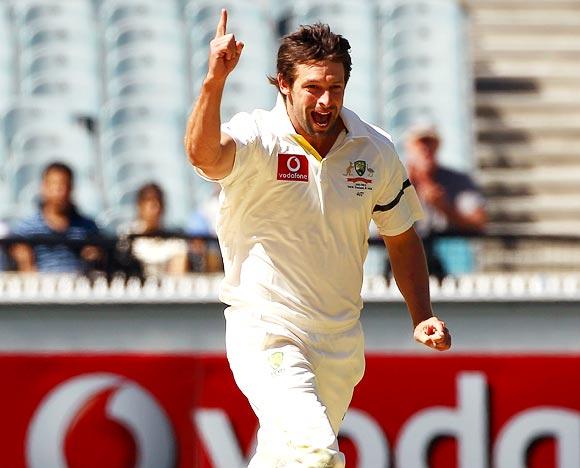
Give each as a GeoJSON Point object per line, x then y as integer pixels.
{"type": "Point", "coordinates": [283, 127]}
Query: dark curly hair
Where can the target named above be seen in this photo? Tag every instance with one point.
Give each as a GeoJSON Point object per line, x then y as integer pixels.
{"type": "Point", "coordinates": [311, 43]}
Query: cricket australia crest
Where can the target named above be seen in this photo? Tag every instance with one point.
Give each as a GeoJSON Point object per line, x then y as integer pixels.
{"type": "Point", "coordinates": [360, 167]}
{"type": "Point", "coordinates": [365, 176]}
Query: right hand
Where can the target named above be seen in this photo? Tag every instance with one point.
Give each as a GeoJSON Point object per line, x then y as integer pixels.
{"type": "Point", "coordinates": [224, 52]}
{"type": "Point", "coordinates": [433, 333]}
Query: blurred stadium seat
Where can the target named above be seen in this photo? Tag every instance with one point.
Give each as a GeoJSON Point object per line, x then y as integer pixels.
{"type": "Point", "coordinates": [7, 61]}
{"type": "Point", "coordinates": [141, 141]}
{"type": "Point", "coordinates": [59, 54]}
{"type": "Point", "coordinates": [424, 58]}
{"type": "Point", "coordinates": [114, 11]}
{"type": "Point", "coordinates": [247, 88]}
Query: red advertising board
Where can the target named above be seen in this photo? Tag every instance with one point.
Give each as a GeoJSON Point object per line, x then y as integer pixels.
{"type": "Point", "coordinates": [158, 411]}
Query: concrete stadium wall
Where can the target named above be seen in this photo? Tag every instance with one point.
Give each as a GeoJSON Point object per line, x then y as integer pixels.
{"type": "Point", "coordinates": [488, 327]}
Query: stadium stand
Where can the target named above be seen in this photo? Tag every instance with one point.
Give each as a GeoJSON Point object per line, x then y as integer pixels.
{"type": "Point", "coordinates": [526, 57]}
{"type": "Point", "coordinates": [129, 161]}
{"type": "Point", "coordinates": [7, 57]}
{"type": "Point", "coordinates": [106, 85]}
{"type": "Point", "coordinates": [247, 88]}
{"type": "Point", "coordinates": [424, 60]}
{"type": "Point", "coordinates": [59, 59]}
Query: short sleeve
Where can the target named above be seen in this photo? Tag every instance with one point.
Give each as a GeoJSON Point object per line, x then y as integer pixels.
{"type": "Point", "coordinates": [243, 130]}
{"type": "Point", "coordinates": [398, 205]}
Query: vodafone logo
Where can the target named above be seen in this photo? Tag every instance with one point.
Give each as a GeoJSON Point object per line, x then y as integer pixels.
{"type": "Point", "coordinates": [97, 420]}
{"type": "Point", "coordinates": [293, 167]}
{"type": "Point", "coordinates": [293, 164]}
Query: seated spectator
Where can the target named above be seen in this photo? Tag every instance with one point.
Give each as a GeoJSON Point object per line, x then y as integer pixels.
{"type": "Point", "coordinates": [57, 218]}
{"type": "Point", "coordinates": [157, 251]}
{"type": "Point", "coordinates": [451, 200]}
{"type": "Point", "coordinates": [4, 231]}
{"type": "Point", "coordinates": [204, 254]}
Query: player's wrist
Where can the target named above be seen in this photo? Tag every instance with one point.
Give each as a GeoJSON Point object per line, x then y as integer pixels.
{"type": "Point", "coordinates": [213, 82]}
{"type": "Point", "coordinates": [420, 318]}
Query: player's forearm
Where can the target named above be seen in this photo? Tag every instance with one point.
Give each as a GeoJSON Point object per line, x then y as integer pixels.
{"type": "Point", "coordinates": [202, 136]}
{"type": "Point", "coordinates": [410, 271]}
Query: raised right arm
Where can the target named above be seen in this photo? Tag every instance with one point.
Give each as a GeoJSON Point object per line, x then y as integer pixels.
{"type": "Point", "coordinates": [206, 146]}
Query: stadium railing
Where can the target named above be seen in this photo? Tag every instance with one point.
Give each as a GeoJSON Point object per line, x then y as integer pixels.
{"type": "Point", "coordinates": [463, 255]}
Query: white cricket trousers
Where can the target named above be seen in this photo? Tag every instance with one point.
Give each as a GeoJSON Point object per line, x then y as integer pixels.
{"type": "Point", "coordinates": [299, 385]}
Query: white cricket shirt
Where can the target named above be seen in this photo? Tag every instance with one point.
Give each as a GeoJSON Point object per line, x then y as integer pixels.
{"type": "Point", "coordinates": [293, 227]}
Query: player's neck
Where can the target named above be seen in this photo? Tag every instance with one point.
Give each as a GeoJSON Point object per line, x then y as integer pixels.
{"type": "Point", "coordinates": [323, 143]}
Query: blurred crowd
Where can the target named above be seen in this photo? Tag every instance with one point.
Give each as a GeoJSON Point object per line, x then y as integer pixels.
{"type": "Point", "coordinates": [58, 238]}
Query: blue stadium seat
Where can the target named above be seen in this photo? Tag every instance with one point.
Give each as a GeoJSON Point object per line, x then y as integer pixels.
{"type": "Point", "coordinates": [77, 92]}
{"type": "Point", "coordinates": [59, 55]}
{"type": "Point", "coordinates": [124, 112]}
{"type": "Point", "coordinates": [121, 192]}
{"type": "Point", "coordinates": [144, 31]}
{"type": "Point", "coordinates": [30, 111]}
{"type": "Point", "coordinates": [142, 137]}
{"type": "Point", "coordinates": [7, 59]}
{"type": "Point", "coordinates": [41, 35]}
{"type": "Point", "coordinates": [115, 11]}
{"type": "Point", "coordinates": [37, 139]}
{"type": "Point", "coordinates": [140, 60]}
{"type": "Point", "coordinates": [250, 22]}
{"type": "Point", "coordinates": [169, 89]}
{"type": "Point", "coordinates": [424, 61]}
{"type": "Point", "coordinates": [47, 60]}
{"type": "Point", "coordinates": [32, 11]}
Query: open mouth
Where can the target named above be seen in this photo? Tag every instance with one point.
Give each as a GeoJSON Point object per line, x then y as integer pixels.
{"type": "Point", "coordinates": [321, 119]}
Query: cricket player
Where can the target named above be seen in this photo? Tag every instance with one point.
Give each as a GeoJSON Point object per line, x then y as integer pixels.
{"type": "Point", "coordinates": [299, 186]}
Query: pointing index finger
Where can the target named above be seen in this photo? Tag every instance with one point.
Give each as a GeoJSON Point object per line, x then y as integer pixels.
{"type": "Point", "coordinates": [221, 27]}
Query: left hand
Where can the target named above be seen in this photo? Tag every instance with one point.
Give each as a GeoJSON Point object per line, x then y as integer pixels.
{"type": "Point", "coordinates": [433, 333]}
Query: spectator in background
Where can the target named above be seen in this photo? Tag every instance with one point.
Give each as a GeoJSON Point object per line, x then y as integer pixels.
{"type": "Point", "coordinates": [4, 231]}
{"type": "Point", "coordinates": [204, 254]}
{"type": "Point", "coordinates": [58, 218]}
{"type": "Point", "coordinates": [153, 246]}
{"type": "Point", "coordinates": [451, 200]}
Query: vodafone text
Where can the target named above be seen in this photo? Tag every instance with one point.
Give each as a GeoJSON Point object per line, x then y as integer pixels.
{"type": "Point", "coordinates": [292, 167]}
{"type": "Point", "coordinates": [468, 423]}
{"type": "Point", "coordinates": [92, 411]}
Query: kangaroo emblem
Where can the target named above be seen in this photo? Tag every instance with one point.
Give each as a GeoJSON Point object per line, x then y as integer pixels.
{"type": "Point", "coordinates": [349, 169]}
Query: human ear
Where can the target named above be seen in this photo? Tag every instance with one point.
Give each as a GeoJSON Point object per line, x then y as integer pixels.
{"type": "Point", "coordinates": [283, 85]}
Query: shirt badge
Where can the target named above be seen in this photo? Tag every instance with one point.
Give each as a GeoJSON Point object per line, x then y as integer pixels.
{"type": "Point", "coordinates": [292, 167]}
{"type": "Point", "coordinates": [359, 175]}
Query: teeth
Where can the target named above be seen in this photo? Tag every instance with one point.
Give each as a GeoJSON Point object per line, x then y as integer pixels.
{"type": "Point", "coordinates": [321, 119]}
